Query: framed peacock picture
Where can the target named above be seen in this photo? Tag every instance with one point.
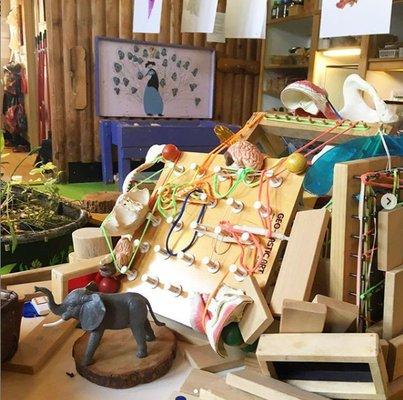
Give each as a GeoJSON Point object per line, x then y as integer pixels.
{"type": "Point", "coordinates": [143, 79]}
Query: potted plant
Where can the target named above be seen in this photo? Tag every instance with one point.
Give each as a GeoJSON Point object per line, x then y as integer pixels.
{"type": "Point", "coordinates": [35, 222]}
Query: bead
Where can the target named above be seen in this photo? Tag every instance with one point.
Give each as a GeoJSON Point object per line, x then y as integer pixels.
{"type": "Point", "coordinates": [170, 152]}
{"type": "Point", "coordinates": [296, 163]}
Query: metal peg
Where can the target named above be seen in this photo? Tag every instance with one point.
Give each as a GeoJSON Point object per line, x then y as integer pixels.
{"type": "Point", "coordinates": [176, 290]}
{"type": "Point", "coordinates": [178, 226]}
{"type": "Point", "coordinates": [144, 247]}
{"type": "Point", "coordinates": [189, 259]}
{"type": "Point", "coordinates": [239, 273]}
{"type": "Point", "coordinates": [160, 250]}
{"type": "Point", "coordinates": [236, 205]}
{"type": "Point", "coordinates": [153, 282]}
{"type": "Point", "coordinates": [263, 211]}
{"type": "Point", "coordinates": [212, 266]}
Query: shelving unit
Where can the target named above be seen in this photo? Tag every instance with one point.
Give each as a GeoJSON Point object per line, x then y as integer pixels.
{"type": "Point", "coordinates": [385, 64]}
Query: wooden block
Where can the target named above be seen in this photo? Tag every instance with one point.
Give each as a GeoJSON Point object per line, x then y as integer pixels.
{"type": "Point", "coordinates": [267, 388]}
{"type": "Point", "coordinates": [257, 316]}
{"type": "Point", "coordinates": [89, 243]}
{"type": "Point", "coordinates": [205, 358]}
{"type": "Point", "coordinates": [376, 328]}
{"type": "Point", "coordinates": [298, 358]}
{"type": "Point", "coordinates": [392, 304]}
{"type": "Point", "coordinates": [39, 345]}
{"type": "Point", "coordinates": [224, 392]}
{"type": "Point", "coordinates": [302, 317]}
{"type": "Point", "coordinates": [340, 315]}
{"type": "Point", "coordinates": [395, 358]}
{"type": "Point", "coordinates": [385, 348]}
{"type": "Point", "coordinates": [390, 239]}
{"type": "Point", "coordinates": [396, 389]}
{"type": "Point", "coordinates": [301, 258]}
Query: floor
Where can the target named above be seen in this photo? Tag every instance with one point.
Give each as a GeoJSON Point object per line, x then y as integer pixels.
{"type": "Point", "coordinates": [52, 382]}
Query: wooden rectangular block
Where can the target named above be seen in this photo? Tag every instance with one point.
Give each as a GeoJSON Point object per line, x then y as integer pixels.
{"type": "Point", "coordinates": [205, 358]}
{"type": "Point", "coordinates": [267, 388]}
{"type": "Point", "coordinates": [395, 358]}
{"type": "Point", "coordinates": [302, 317]}
{"type": "Point", "coordinates": [340, 315]}
{"type": "Point", "coordinates": [385, 349]}
{"type": "Point", "coordinates": [390, 239]}
{"type": "Point", "coordinates": [354, 369]}
{"type": "Point", "coordinates": [392, 304]}
{"type": "Point", "coordinates": [257, 316]}
{"type": "Point", "coordinates": [301, 258]}
{"type": "Point", "coordinates": [224, 392]}
{"type": "Point", "coordinates": [39, 345]}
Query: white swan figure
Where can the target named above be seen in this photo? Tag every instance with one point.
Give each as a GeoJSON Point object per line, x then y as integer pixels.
{"type": "Point", "coordinates": [356, 109]}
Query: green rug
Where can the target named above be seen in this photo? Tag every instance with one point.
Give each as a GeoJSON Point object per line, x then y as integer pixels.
{"type": "Point", "coordinates": [76, 191]}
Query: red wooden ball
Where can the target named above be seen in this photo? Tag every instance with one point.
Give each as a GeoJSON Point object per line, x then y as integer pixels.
{"type": "Point", "coordinates": [170, 152]}
{"type": "Point", "coordinates": [108, 285]}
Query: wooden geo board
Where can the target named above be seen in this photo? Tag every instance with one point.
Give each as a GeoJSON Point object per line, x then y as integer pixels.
{"type": "Point", "coordinates": [196, 278]}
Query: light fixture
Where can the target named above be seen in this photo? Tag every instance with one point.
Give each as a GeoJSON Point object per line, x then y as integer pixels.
{"type": "Point", "coordinates": [343, 52]}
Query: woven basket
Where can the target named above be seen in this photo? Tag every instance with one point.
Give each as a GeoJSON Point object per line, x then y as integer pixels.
{"type": "Point", "coordinates": [11, 313]}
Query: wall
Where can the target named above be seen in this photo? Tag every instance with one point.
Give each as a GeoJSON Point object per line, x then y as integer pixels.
{"type": "Point", "coordinates": [75, 23]}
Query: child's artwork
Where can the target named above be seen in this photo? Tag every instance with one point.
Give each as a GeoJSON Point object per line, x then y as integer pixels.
{"type": "Point", "coordinates": [246, 19]}
{"type": "Point", "coordinates": [355, 17]}
{"type": "Point", "coordinates": [198, 15]}
{"type": "Point", "coordinates": [147, 16]}
{"type": "Point", "coordinates": [141, 79]}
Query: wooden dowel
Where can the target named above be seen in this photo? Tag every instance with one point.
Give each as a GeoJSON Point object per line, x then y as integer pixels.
{"type": "Point", "coordinates": [125, 19]}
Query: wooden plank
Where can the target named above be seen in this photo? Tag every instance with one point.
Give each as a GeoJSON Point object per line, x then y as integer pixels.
{"type": "Point", "coordinates": [164, 35]}
{"type": "Point", "coordinates": [345, 186]}
{"type": "Point", "coordinates": [320, 347]}
{"type": "Point", "coordinates": [257, 316]}
{"type": "Point", "coordinates": [32, 275]}
{"type": "Point", "coordinates": [267, 388]}
{"type": "Point", "coordinates": [340, 315]}
{"type": "Point", "coordinates": [314, 45]}
{"type": "Point", "coordinates": [384, 348]}
{"type": "Point", "coordinates": [85, 115]}
{"type": "Point", "coordinates": [112, 22]}
{"type": "Point", "coordinates": [240, 53]}
{"type": "Point", "coordinates": [205, 358]}
{"type": "Point", "coordinates": [79, 76]}
{"type": "Point", "coordinates": [224, 393]}
{"type": "Point", "coordinates": [392, 305]}
{"type": "Point", "coordinates": [302, 317]}
{"type": "Point", "coordinates": [248, 87]}
{"type": "Point", "coordinates": [56, 90]}
{"type": "Point", "coordinates": [125, 19]}
{"type": "Point", "coordinates": [395, 358]}
{"type": "Point", "coordinates": [98, 16]}
{"type": "Point", "coordinates": [228, 84]}
{"type": "Point", "coordinates": [176, 15]}
{"type": "Point", "coordinates": [396, 389]}
{"type": "Point", "coordinates": [301, 258]}
{"type": "Point", "coordinates": [390, 239]}
{"type": "Point", "coordinates": [39, 345]}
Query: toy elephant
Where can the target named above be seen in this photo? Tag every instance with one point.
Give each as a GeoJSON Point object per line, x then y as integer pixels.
{"type": "Point", "coordinates": [99, 311]}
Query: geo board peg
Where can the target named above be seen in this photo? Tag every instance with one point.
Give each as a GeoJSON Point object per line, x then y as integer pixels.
{"type": "Point", "coordinates": [274, 181]}
{"type": "Point", "coordinates": [263, 211]}
{"type": "Point", "coordinates": [153, 282]}
{"type": "Point", "coordinates": [178, 226]}
{"type": "Point", "coordinates": [236, 205]}
{"type": "Point", "coordinates": [155, 220]}
{"type": "Point", "coordinates": [160, 250]}
{"type": "Point", "coordinates": [144, 247]}
{"type": "Point", "coordinates": [189, 259]}
{"type": "Point", "coordinates": [213, 266]}
{"type": "Point", "coordinates": [174, 289]}
{"type": "Point", "coordinates": [239, 273]}
{"type": "Point", "coordinates": [218, 171]}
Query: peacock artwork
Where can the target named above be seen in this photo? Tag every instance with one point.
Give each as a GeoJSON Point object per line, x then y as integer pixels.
{"type": "Point", "coordinates": [148, 80]}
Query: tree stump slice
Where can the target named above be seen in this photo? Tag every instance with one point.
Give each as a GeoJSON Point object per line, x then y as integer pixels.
{"type": "Point", "coordinates": [116, 364]}
{"type": "Point", "coordinates": [100, 202]}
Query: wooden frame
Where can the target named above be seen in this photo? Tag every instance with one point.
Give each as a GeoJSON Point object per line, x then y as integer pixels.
{"type": "Point", "coordinates": [349, 349]}
{"type": "Point", "coordinates": [344, 226]}
{"type": "Point", "coordinates": [123, 110]}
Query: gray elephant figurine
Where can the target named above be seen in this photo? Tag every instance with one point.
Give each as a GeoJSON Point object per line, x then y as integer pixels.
{"type": "Point", "coordinates": [99, 311]}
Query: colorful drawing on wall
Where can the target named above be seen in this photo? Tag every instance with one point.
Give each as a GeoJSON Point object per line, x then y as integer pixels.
{"type": "Point", "coordinates": [147, 16]}
{"type": "Point", "coordinates": [198, 16]}
{"type": "Point", "coordinates": [342, 3]}
{"type": "Point", "coordinates": [140, 79]}
{"type": "Point", "coordinates": [355, 17]}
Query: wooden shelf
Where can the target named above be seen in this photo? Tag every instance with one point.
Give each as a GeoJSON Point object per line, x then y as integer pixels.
{"type": "Point", "coordinates": [385, 64]}
{"type": "Point", "coordinates": [278, 21]}
{"type": "Point", "coordinates": [285, 66]}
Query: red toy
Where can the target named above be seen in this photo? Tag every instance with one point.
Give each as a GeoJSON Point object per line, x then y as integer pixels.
{"type": "Point", "coordinates": [170, 152]}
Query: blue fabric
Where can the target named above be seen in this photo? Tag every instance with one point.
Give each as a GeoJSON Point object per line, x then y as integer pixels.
{"type": "Point", "coordinates": [152, 101]}
{"type": "Point", "coordinates": [29, 311]}
{"type": "Point", "coordinates": [319, 177]}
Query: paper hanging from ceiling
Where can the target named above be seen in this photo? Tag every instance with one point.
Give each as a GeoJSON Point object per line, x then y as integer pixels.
{"type": "Point", "coordinates": [245, 19]}
{"type": "Point", "coordinates": [147, 16]}
{"type": "Point", "coordinates": [198, 15]}
{"type": "Point", "coordinates": [355, 17]}
{"type": "Point", "coordinates": [218, 34]}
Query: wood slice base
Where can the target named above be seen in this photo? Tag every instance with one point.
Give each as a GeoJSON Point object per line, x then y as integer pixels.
{"type": "Point", "coordinates": [115, 362]}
